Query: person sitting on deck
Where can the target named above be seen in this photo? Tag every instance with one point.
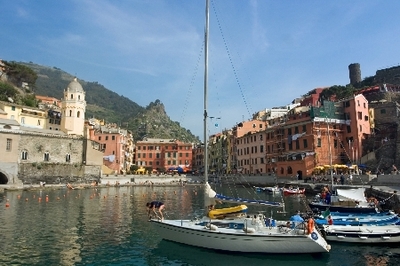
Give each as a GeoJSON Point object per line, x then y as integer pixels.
{"type": "Point", "coordinates": [330, 220]}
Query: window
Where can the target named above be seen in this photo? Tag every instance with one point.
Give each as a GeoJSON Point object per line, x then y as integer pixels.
{"type": "Point", "coordinates": [70, 113]}
{"type": "Point", "coordinates": [348, 129]}
{"type": "Point", "coordinates": [150, 155]}
{"type": "Point", "coordinates": [297, 144]}
{"type": "Point", "coordinates": [22, 120]}
{"type": "Point", "coordinates": [360, 128]}
{"type": "Point", "coordinates": [72, 96]}
{"type": "Point", "coordinates": [24, 155]}
{"type": "Point", "coordinates": [99, 137]}
{"type": "Point", "coordinates": [305, 144]}
{"type": "Point", "coordinates": [261, 148]}
{"type": "Point", "coordinates": [79, 97]}
{"type": "Point", "coordinates": [335, 142]}
{"type": "Point", "coordinates": [8, 146]}
{"type": "Point", "coordinates": [68, 157]}
{"type": "Point", "coordinates": [366, 118]}
{"type": "Point", "coordinates": [46, 156]}
{"type": "Point", "coordinates": [359, 115]}
{"type": "Point", "coordinates": [318, 142]}
{"type": "Point", "coordinates": [38, 122]}
{"type": "Point", "coordinates": [158, 156]}
{"type": "Point", "coordinates": [78, 114]}
{"type": "Point", "coordinates": [12, 108]}
{"type": "Point", "coordinates": [113, 137]}
{"type": "Point", "coordinates": [305, 128]}
{"type": "Point", "coordinates": [106, 137]}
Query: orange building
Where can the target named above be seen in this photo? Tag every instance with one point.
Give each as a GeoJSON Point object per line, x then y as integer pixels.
{"type": "Point", "coordinates": [163, 154]}
{"type": "Point", "coordinates": [48, 101]}
{"type": "Point", "coordinates": [114, 143]}
{"type": "Point", "coordinates": [313, 137]}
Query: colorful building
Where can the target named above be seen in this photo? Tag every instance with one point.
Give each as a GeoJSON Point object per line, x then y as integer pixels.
{"type": "Point", "coordinates": [163, 154]}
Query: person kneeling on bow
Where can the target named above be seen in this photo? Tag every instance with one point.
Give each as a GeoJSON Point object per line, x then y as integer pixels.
{"type": "Point", "coordinates": [153, 206]}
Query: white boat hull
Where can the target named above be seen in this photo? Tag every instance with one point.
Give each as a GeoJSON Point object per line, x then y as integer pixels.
{"type": "Point", "coordinates": [256, 240]}
{"type": "Point", "coordinates": [363, 234]}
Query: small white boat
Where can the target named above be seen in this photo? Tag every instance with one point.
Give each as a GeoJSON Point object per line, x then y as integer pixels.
{"type": "Point", "coordinates": [273, 190]}
{"type": "Point", "coordinates": [293, 191]}
{"type": "Point", "coordinates": [362, 234]}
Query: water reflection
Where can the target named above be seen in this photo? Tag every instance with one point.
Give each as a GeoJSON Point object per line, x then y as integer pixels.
{"type": "Point", "coordinates": [109, 226]}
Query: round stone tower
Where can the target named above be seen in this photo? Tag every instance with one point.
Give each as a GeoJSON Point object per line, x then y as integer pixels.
{"type": "Point", "coordinates": [73, 107]}
{"type": "Point", "coordinates": [354, 73]}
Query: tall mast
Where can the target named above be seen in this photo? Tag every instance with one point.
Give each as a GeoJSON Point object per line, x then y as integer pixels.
{"type": "Point", "coordinates": [205, 92]}
{"type": "Point", "coordinates": [330, 151]}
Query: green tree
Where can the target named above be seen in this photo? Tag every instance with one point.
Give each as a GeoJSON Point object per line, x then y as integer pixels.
{"type": "Point", "coordinates": [18, 73]}
{"type": "Point", "coordinates": [6, 91]}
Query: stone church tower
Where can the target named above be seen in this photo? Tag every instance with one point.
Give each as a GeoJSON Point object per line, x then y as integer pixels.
{"type": "Point", "coordinates": [73, 107]}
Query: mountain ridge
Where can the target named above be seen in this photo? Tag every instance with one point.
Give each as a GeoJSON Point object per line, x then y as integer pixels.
{"type": "Point", "coordinates": [151, 121]}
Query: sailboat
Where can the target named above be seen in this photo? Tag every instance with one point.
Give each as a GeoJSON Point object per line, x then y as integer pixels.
{"type": "Point", "coordinates": [243, 233]}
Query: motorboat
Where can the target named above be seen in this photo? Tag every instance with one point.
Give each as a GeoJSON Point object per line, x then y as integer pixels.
{"type": "Point", "coordinates": [379, 220]}
{"type": "Point", "coordinates": [293, 191]}
{"type": "Point", "coordinates": [362, 234]}
{"type": "Point", "coordinates": [272, 190]}
{"type": "Point", "coordinates": [345, 201]}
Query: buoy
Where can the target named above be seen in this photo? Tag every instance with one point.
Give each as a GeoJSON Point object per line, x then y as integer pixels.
{"type": "Point", "coordinates": [39, 199]}
{"type": "Point", "coordinates": [19, 196]}
{"type": "Point", "coordinates": [58, 198]}
{"type": "Point", "coordinates": [47, 198]}
{"type": "Point", "coordinates": [7, 203]}
{"type": "Point", "coordinates": [26, 199]}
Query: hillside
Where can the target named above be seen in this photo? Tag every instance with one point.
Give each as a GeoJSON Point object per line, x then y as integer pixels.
{"type": "Point", "coordinates": [151, 121]}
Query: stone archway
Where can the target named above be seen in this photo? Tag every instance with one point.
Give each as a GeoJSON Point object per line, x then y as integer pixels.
{"type": "Point", "coordinates": [3, 179]}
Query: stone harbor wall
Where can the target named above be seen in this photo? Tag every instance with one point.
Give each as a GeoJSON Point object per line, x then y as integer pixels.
{"type": "Point", "coordinates": [34, 173]}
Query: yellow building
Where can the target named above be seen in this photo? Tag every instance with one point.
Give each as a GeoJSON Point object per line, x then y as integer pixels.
{"type": "Point", "coordinates": [24, 115]}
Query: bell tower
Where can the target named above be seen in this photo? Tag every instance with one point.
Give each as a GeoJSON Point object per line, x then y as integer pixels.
{"type": "Point", "coordinates": [73, 107]}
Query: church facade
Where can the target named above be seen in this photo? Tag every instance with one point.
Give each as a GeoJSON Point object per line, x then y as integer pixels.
{"type": "Point", "coordinates": [34, 153]}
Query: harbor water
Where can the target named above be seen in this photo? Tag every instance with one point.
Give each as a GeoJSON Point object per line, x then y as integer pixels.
{"type": "Point", "coordinates": [109, 226]}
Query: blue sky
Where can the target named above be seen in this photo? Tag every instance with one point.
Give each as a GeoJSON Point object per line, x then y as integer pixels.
{"type": "Point", "coordinates": [263, 53]}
